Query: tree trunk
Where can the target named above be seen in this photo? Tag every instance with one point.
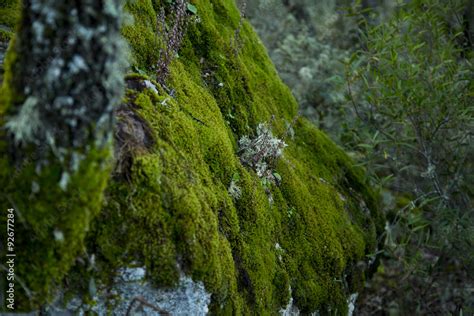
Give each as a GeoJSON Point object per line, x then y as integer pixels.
{"type": "Point", "coordinates": [63, 77]}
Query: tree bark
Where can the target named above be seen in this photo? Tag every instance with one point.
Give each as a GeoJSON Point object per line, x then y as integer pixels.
{"type": "Point", "coordinates": [63, 78]}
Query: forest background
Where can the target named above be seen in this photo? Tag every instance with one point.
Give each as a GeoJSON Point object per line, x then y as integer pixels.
{"type": "Point", "coordinates": [392, 83]}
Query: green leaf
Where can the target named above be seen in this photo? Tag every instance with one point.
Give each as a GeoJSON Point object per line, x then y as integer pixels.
{"type": "Point", "coordinates": [138, 70]}
{"type": "Point", "coordinates": [417, 47]}
{"type": "Point", "coordinates": [92, 287]}
{"type": "Point", "coordinates": [192, 8]}
{"type": "Point", "coordinates": [277, 176]}
{"type": "Point", "coordinates": [366, 146]}
{"type": "Point", "coordinates": [236, 177]}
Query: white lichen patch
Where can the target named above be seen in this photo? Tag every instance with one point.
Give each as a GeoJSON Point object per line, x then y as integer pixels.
{"type": "Point", "coordinates": [151, 86]}
{"type": "Point", "coordinates": [26, 123]}
{"type": "Point", "coordinates": [134, 295]}
{"type": "Point", "coordinates": [132, 274]}
{"type": "Point", "coordinates": [341, 197]}
{"type": "Point", "coordinates": [234, 190]}
{"type": "Point", "coordinates": [351, 304]}
{"type": "Point", "coordinates": [291, 309]}
{"type": "Point", "coordinates": [279, 251]}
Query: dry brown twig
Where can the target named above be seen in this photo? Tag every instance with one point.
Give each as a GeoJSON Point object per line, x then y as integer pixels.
{"type": "Point", "coordinates": [170, 39]}
{"type": "Point", "coordinates": [143, 302]}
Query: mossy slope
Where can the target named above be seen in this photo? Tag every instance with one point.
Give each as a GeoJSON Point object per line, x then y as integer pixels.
{"type": "Point", "coordinates": [172, 211]}
{"type": "Point", "coordinates": [175, 210]}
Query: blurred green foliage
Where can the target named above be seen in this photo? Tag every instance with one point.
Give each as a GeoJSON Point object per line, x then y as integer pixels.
{"type": "Point", "coordinates": [414, 105]}
{"type": "Point", "coordinates": [393, 84]}
{"type": "Point", "coordinates": [309, 41]}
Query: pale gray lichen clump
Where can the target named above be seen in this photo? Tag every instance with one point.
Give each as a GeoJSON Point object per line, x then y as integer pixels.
{"type": "Point", "coordinates": [261, 153]}
{"type": "Point", "coordinates": [70, 80]}
{"type": "Point", "coordinates": [234, 190]}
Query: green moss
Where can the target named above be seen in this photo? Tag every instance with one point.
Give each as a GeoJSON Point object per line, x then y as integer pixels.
{"type": "Point", "coordinates": [141, 33]}
{"type": "Point", "coordinates": [44, 213]}
{"type": "Point", "coordinates": [8, 17]}
{"type": "Point", "coordinates": [5, 35]}
{"type": "Point", "coordinates": [175, 209]}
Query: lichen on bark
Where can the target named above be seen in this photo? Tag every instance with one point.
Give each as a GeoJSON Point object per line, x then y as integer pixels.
{"type": "Point", "coordinates": [64, 75]}
{"type": "Point", "coordinates": [67, 77]}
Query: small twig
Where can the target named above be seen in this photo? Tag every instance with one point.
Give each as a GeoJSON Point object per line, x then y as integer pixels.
{"type": "Point", "coordinates": [142, 301]}
{"type": "Point", "coordinates": [172, 39]}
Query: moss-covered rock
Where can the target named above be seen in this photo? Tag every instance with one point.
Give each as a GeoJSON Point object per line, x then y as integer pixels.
{"type": "Point", "coordinates": [168, 209]}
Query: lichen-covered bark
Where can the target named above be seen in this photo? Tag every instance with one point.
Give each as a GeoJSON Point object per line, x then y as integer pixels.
{"type": "Point", "coordinates": [67, 76]}
{"type": "Point", "coordinates": [63, 78]}
{"type": "Point", "coordinates": [8, 16]}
